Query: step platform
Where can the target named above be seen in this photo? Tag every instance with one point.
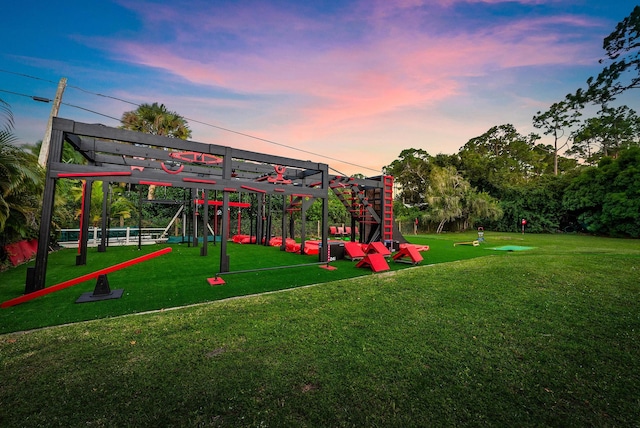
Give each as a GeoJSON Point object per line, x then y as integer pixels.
{"type": "Point", "coordinates": [377, 248]}
{"type": "Point", "coordinates": [375, 261]}
{"type": "Point", "coordinates": [353, 251]}
{"type": "Point", "coordinates": [408, 254]}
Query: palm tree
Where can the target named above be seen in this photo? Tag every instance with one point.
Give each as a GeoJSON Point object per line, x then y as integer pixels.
{"type": "Point", "coordinates": [21, 181]}
{"type": "Point", "coordinates": [155, 119]}
{"type": "Point", "coordinates": [445, 195]}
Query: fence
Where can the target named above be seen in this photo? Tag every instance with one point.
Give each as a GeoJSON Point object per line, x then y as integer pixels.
{"type": "Point", "coordinates": [116, 236]}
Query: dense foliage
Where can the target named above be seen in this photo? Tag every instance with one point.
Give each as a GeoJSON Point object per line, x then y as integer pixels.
{"type": "Point", "coordinates": [21, 181]}
{"type": "Point", "coordinates": [606, 199]}
{"type": "Point", "coordinates": [587, 180]}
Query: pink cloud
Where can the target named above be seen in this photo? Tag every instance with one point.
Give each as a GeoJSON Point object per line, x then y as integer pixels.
{"type": "Point", "coordinates": [390, 73]}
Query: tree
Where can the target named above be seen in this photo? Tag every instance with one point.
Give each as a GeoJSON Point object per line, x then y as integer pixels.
{"type": "Point", "coordinates": [338, 214]}
{"type": "Point", "coordinates": [622, 73]}
{"type": "Point", "coordinates": [606, 199]}
{"type": "Point", "coordinates": [480, 206]}
{"type": "Point", "coordinates": [411, 172]}
{"type": "Point", "coordinates": [451, 198]}
{"type": "Point", "coordinates": [614, 129]}
{"type": "Point", "coordinates": [556, 122]}
{"type": "Point", "coordinates": [155, 119]}
{"type": "Point", "coordinates": [21, 183]}
{"type": "Point", "coordinates": [498, 157]}
{"type": "Point", "coordinates": [445, 195]}
{"type": "Point", "coordinates": [120, 207]}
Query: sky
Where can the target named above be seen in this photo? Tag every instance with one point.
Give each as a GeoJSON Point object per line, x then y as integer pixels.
{"type": "Point", "coordinates": [349, 83]}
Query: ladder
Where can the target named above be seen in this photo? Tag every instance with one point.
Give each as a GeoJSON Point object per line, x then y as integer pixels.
{"type": "Point", "coordinates": [387, 208]}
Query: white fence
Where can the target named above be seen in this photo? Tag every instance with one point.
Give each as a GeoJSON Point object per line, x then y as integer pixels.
{"type": "Point", "coordinates": [117, 236]}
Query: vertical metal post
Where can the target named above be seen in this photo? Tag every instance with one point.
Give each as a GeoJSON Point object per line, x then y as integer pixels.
{"type": "Point", "coordinates": [36, 276]}
{"type": "Point", "coordinates": [139, 217]}
{"type": "Point", "coordinates": [283, 245]}
{"type": "Point", "coordinates": [194, 196]}
{"type": "Point", "coordinates": [324, 255]}
{"type": "Point", "coordinates": [81, 259]}
{"type": "Point", "coordinates": [306, 203]}
{"type": "Point", "coordinates": [259, 217]}
{"type": "Point", "coordinates": [226, 175]}
{"type": "Point", "coordinates": [267, 226]}
{"type": "Point", "coordinates": [205, 224]}
{"type": "Point", "coordinates": [105, 216]}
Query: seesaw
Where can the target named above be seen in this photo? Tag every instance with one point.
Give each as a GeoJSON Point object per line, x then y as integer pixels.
{"type": "Point", "coordinates": [474, 243]}
{"type": "Point", "coordinates": [83, 278]}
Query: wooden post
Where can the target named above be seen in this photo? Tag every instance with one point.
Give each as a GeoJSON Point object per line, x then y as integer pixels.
{"type": "Point", "coordinates": [44, 148]}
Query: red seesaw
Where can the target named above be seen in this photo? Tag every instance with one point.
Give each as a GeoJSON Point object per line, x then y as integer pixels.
{"type": "Point", "coordinates": [83, 278]}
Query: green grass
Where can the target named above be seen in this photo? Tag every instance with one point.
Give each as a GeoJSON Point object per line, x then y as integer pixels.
{"type": "Point", "coordinates": [175, 279]}
{"type": "Point", "coordinates": [545, 337]}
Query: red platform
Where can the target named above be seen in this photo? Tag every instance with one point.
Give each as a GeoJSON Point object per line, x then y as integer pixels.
{"type": "Point", "coordinates": [409, 254]}
{"type": "Point", "coordinates": [375, 261]}
{"type": "Point", "coordinates": [377, 247]}
{"type": "Point", "coordinates": [353, 251]}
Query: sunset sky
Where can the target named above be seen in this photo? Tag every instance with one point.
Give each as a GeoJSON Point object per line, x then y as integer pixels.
{"type": "Point", "coordinates": [355, 81]}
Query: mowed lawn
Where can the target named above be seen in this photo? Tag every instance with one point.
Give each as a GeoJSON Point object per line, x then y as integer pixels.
{"type": "Point", "coordinates": [543, 337]}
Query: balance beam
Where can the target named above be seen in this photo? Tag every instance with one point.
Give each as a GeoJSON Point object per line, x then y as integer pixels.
{"type": "Point", "coordinates": [474, 243]}
{"type": "Point", "coordinates": [83, 278]}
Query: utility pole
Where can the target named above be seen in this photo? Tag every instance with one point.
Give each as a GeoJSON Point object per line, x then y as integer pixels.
{"type": "Point", "coordinates": [44, 148]}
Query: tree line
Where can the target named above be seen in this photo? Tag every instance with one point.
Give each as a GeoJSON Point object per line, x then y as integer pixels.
{"type": "Point", "coordinates": [588, 179]}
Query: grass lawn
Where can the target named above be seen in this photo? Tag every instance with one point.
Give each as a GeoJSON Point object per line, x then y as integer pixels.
{"type": "Point", "coordinates": [176, 279]}
{"type": "Point", "coordinates": [544, 337]}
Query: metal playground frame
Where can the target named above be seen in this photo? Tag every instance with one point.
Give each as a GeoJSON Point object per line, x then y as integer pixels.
{"type": "Point", "coordinates": [118, 155]}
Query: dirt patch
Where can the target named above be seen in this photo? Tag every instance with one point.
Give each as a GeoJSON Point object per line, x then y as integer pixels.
{"type": "Point", "coordinates": [216, 352]}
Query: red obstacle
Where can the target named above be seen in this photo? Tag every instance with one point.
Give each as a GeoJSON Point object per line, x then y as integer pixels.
{"type": "Point", "coordinates": [408, 252]}
{"type": "Point", "coordinates": [375, 261]}
{"type": "Point", "coordinates": [353, 251]}
{"type": "Point", "coordinates": [379, 248]}
{"type": "Point", "coordinates": [83, 278]}
{"type": "Point", "coordinates": [22, 251]}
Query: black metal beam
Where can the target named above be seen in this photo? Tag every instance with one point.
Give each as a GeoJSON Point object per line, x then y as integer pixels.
{"type": "Point", "coordinates": [104, 132]}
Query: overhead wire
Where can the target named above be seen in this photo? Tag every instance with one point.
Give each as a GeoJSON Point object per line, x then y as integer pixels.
{"type": "Point", "coordinates": [42, 99]}
{"type": "Point", "coordinates": [47, 100]}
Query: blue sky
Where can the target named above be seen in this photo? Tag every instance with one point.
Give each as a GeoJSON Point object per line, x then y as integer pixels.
{"type": "Point", "coordinates": [357, 81]}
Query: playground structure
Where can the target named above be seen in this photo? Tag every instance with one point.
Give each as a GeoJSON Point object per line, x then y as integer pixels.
{"type": "Point", "coordinates": [143, 159]}
{"type": "Point", "coordinates": [118, 155]}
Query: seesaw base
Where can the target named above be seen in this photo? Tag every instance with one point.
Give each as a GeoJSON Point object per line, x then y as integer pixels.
{"type": "Point", "coordinates": [90, 297]}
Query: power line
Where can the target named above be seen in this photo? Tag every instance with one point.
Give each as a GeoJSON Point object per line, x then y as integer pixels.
{"type": "Point", "coordinates": [103, 95]}
{"type": "Point", "coordinates": [186, 118]}
{"type": "Point", "coordinates": [28, 76]}
{"type": "Point", "coordinates": [69, 86]}
{"type": "Point", "coordinates": [280, 144]}
{"type": "Point", "coordinates": [47, 100]}
{"type": "Point", "coordinates": [33, 97]}
{"type": "Point", "coordinates": [90, 111]}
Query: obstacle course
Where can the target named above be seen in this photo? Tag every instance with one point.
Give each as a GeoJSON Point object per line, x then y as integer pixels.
{"type": "Point", "coordinates": [140, 159]}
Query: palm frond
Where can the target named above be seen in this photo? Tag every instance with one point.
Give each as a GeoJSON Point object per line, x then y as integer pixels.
{"type": "Point", "coordinates": [6, 116]}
